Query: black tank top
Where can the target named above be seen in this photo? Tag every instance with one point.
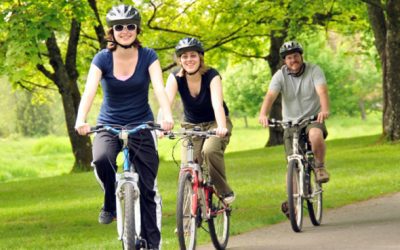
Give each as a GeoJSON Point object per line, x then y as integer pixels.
{"type": "Point", "coordinates": [198, 109]}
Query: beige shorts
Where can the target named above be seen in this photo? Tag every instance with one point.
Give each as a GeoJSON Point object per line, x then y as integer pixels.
{"type": "Point", "coordinates": [288, 136]}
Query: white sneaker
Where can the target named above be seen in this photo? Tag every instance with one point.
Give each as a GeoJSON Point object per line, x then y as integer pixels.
{"type": "Point", "coordinates": [229, 198]}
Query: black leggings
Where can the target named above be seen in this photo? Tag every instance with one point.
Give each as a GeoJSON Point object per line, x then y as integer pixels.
{"type": "Point", "coordinates": [144, 156]}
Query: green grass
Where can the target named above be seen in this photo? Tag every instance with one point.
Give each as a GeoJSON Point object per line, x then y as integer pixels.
{"type": "Point", "coordinates": [61, 212]}
{"type": "Point", "coordinates": [24, 158]}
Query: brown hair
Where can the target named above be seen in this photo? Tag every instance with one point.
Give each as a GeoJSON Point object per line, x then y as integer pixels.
{"type": "Point", "coordinates": [113, 46]}
{"type": "Point", "coordinates": [203, 67]}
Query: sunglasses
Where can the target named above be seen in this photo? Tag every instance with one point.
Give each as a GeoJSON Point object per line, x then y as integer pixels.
{"type": "Point", "coordinates": [120, 27]}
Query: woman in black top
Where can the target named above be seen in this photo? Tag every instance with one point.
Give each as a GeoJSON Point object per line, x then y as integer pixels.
{"type": "Point", "coordinates": [200, 89]}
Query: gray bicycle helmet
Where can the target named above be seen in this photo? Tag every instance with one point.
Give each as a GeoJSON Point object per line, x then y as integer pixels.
{"type": "Point", "coordinates": [188, 44]}
{"type": "Point", "coordinates": [123, 14]}
{"type": "Point", "coordinates": [290, 47]}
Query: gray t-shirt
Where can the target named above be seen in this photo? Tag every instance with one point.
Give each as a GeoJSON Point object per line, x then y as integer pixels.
{"type": "Point", "coordinates": [299, 96]}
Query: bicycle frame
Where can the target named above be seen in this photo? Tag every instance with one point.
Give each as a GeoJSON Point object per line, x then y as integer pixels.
{"type": "Point", "coordinates": [128, 176]}
{"type": "Point", "coordinates": [200, 190]}
{"type": "Point", "coordinates": [300, 185]}
{"type": "Point", "coordinates": [195, 188]}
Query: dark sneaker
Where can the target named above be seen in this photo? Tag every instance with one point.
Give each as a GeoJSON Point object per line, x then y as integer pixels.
{"type": "Point", "coordinates": [106, 217]}
{"type": "Point", "coordinates": [229, 198]}
{"type": "Point", "coordinates": [285, 209]}
{"type": "Point", "coordinates": [321, 175]}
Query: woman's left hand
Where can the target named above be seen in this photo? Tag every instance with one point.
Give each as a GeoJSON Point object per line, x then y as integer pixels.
{"type": "Point", "coordinates": [167, 124]}
{"type": "Point", "coordinates": [221, 132]}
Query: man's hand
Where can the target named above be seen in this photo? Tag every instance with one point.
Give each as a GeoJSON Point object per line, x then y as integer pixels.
{"type": "Point", "coordinates": [322, 116]}
{"type": "Point", "coordinates": [263, 120]}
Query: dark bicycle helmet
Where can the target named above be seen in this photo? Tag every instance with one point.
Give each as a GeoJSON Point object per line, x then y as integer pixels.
{"type": "Point", "coordinates": [123, 14]}
{"type": "Point", "coordinates": [188, 44]}
{"type": "Point", "coordinates": [290, 47]}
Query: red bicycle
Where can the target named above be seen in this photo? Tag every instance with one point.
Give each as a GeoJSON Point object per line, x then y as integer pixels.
{"type": "Point", "coordinates": [197, 200]}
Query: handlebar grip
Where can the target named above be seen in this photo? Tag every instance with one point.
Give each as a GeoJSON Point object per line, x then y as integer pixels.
{"type": "Point", "coordinates": [212, 132]}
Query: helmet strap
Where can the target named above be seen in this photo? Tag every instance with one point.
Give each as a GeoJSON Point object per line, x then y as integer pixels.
{"type": "Point", "coordinates": [193, 72]}
{"type": "Point", "coordinates": [121, 45]}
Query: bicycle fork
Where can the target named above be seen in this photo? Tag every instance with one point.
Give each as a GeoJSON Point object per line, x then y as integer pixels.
{"type": "Point", "coordinates": [128, 176]}
{"type": "Point", "coordinates": [122, 180]}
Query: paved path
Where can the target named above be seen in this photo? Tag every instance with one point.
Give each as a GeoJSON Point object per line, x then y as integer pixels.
{"type": "Point", "coordinates": [367, 225]}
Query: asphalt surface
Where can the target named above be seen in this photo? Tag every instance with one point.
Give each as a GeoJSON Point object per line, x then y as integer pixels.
{"type": "Point", "coordinates": [367, 225]}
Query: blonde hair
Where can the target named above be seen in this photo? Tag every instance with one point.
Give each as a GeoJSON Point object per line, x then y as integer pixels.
{"type": "Point", "coordinates": [203, 67]}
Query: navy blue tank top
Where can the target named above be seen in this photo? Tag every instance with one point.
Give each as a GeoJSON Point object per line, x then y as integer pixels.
{"type": "Point", "coordinates": [125, 102]}
{"type": "Point", "coordinates": [198, 109]}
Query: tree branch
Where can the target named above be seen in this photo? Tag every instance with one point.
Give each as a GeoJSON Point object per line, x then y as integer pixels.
{"type": "Point", "coordinates": [70, 60]}
{"type": "Point", "coordinates": [98, 28]}
{"type": "Point", "coordinates": [36, 85]}
{"type": "Point", "coordinates": [45, 72]}
{"type": "Point", "coordinates": [243, 55]}
{"type": "Point", "coordinates": [169, 67]}
{"type": "Point", "coordinates": [149, 24]}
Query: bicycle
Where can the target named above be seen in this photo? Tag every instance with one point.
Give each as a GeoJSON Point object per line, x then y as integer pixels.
{"type": "Point", "coordinates": [127, 189]}
{"type": "Point", "coordinates": [301, 180]}
{"type": "Point", "coordinates": [197, 200]}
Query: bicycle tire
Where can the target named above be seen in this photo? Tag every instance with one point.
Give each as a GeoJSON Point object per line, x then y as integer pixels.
{"type": "Point", "coordinates": [314, 204]}
{"type": "Point", "coordinates": [219, 223]}
{"type": "Point", "coordinates": [129, 230]}
{"type": "Point", "coordinates": [185, 221]}
{"type": "Point", "coordinates": [295, 199]}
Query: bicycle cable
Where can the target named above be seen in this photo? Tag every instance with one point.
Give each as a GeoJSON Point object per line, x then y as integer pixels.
{"type": "Point", "coordinates": [173, 152]}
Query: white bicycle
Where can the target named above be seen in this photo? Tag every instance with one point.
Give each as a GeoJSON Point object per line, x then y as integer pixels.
{"type": "Point", "coordinates": [127, 190]}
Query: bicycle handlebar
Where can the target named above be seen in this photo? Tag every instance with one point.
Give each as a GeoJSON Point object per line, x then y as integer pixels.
{"type": "Point", "coordinates": [290, 124]}
{"type": "Point", "coordinates": [187, 132]}
{"type": "Point", "coordinates": [117, 129]}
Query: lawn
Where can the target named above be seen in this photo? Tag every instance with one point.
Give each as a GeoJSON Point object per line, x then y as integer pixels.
{"type": "Point", "coordinates": [51, 155]}
{"type": "Point", "coordinates": [60, 212]}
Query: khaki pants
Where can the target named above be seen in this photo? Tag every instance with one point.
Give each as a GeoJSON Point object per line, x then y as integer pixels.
{"type": "Point", "coordinates": [209, 153]}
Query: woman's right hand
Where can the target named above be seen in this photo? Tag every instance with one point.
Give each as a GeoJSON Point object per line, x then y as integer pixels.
{"type": "Point", "coordinates": [82, 128]}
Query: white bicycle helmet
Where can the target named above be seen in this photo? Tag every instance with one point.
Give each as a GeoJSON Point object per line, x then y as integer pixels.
{"type": "Point", "coordinates": [289, 48]}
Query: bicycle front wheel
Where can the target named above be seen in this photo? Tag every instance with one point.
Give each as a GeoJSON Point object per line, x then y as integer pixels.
{"type": "Point", "coordinates": [128, 217]}
{"type": "Point", "coordinates": [314, 203]}
{"type": "Point", "coordinates": [218, 223]}
{"type": "Point", "coordinates": [185, 220]}
{"type": "Point", "coordinates": [295, 199]}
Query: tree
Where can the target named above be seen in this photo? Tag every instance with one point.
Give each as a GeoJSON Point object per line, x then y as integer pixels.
{"type": "Point", "coordinates": [244, 88]}
{"type": "Point", "coordinates": [44, 36]}
{"type": "Point", "coordinates": [384, 17]}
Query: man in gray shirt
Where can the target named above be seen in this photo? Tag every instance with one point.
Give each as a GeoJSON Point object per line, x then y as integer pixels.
{"type": "Point", "coordinates": [304, 93]}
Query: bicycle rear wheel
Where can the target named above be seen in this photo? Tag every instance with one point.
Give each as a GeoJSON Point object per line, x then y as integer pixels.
{"type": "Point", "coordinates": [128, 217]}
{"type": "Point", "coordinates": [295, 199]}
{"type": "Point", "coordinates": [185, 221]}
{"type": "Point", "coordinates": [218, 223]}
{"type": "Point", "coordinates": [314, 204]}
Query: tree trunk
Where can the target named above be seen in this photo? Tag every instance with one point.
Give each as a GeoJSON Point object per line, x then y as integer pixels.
{"type": "Point", "coordinates": [65, 77]}
{"type": "Point", "coordinates": [386, 26]}
{"type": "Point", "coordinates": [392, 76]}
{"type": "Point", "coordinates": [274, 62]}
{"type": "Point", "coordinates": [361, 104]}
{"type": "Point", "coordinates": [81, 145]}
{"type": "Point", "coordinates": [246, 124]}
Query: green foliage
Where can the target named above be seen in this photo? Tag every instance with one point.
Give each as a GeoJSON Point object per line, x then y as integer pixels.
{"type": "Point", "coordinates": [244, 87]}
{"type": "Point", "coordinates": [351, 73]}
{"type": "Point", "coordinates": [33, 119]}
